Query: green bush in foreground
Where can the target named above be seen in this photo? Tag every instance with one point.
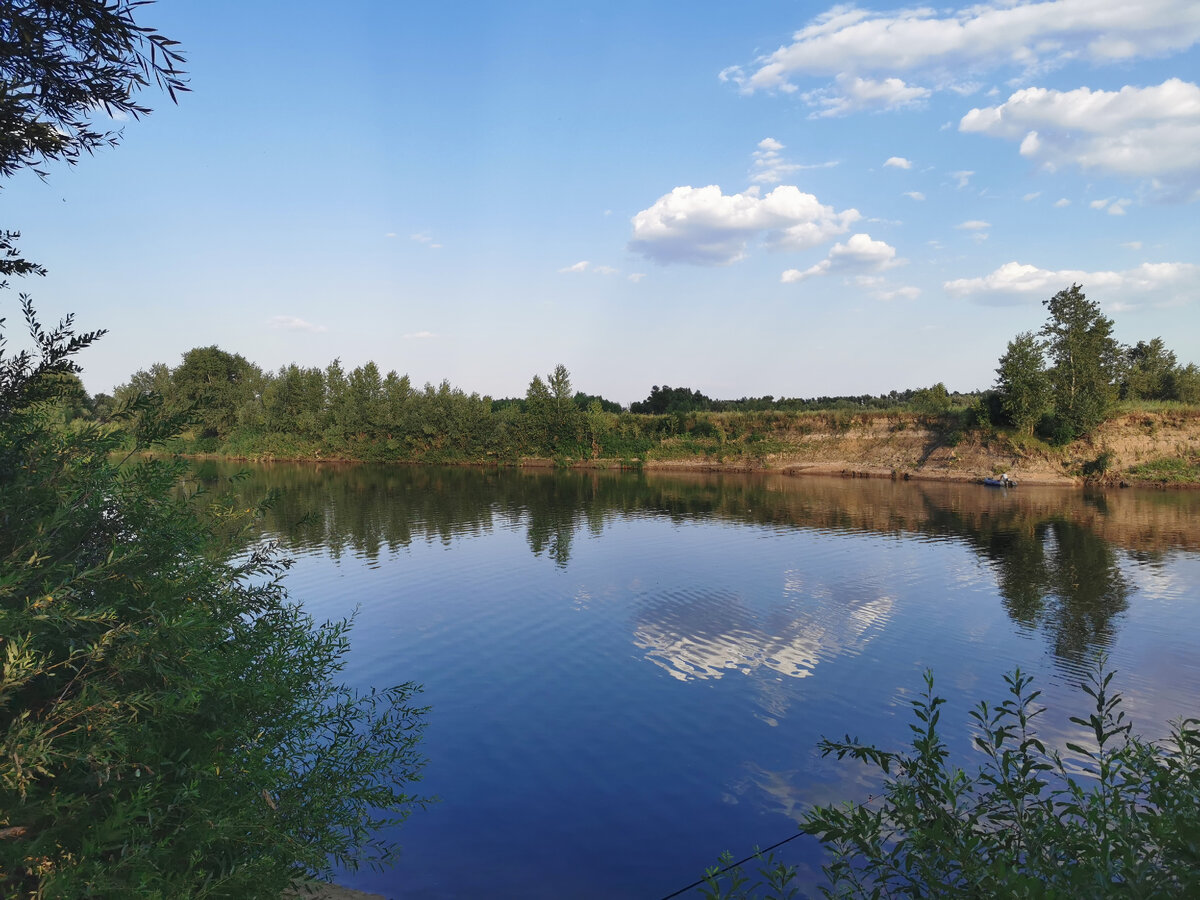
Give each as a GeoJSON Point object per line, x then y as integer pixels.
{"type": "Point", "coordinates": [171, 725]}
{"type": "Point", "coordinates": [1122, 819]}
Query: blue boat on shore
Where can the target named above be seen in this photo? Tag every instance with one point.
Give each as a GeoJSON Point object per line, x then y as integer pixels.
{"type": "Point", "coordinates": [1001, 481]}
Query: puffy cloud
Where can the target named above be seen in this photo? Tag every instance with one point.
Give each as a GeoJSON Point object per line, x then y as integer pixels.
{"type": "Point", "coordinates": [915, 195]}
{"type": "Point", "coordinates": [855, 94]}
{"type": "Point", "coordinates": [897, 162]}
{"type": "Point", "coordinates": [859, 254]}
{"type": "Point", "coordinates": [1061, 203]}
{"type": "Point", "coordinates": [1032, 195]}
{"type": "Point", "coordinates": [704, 226]}
{"type": "Point", "coordinates": [1136, 131]}
{"type": "Point", "coordinates": [947, 45]}
{"type": "Point", "coordinates": [292, 323]}
{"type": "Point", "coordinates": [1015, 282]}
{"type": "Point", "coordinates": [581, 266]}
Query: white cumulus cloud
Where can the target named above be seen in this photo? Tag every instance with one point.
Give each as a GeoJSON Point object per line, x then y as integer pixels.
{"type": "Point", "coordinates": [704, 226]}
{"type": "Point", "coordinates": [1147, 132]}
{"type": "Point", "coordinates": [897, 162]}
{"type": "Point", "coordinates": [945, 46]}
{"type": "Point", "coordinates": [915, 195]}
{"type": "Point", "coordinates": [581, 266]}
{"type": "Point", "coordinates": [1016, 282]}
{"type": "Point", "coordinates": [859, 254]}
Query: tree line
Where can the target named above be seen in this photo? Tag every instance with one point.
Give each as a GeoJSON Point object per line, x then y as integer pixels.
{"type": "Point", "coordinates": [1067, 378]}
{"type": "Point", "coordinates": [1061, 382]}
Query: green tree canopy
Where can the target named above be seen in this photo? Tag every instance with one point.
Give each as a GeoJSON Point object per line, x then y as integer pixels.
{"type": "Point", "coordinates": [218, 384]}
{"type": "Point", "coordinates": [1085, 362]}
{"type": "Point", "coordinates": [1149, 371]}
{"type": "Point", "coordinates": [1021, 382]}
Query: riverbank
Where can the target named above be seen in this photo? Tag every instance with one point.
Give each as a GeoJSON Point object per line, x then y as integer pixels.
{"type": "Point", "coordinates": [1154, 448]}
{"type": "Point", "coordinates": [1142, 449]}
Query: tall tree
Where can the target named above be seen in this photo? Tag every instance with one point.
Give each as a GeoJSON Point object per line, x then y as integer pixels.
{"type": "Point", "coordinates": [1021, 382]}
{"type": "Point", "coordinates": [1085, 361]}
{"type": "Point", "coordinates": [219, 384]}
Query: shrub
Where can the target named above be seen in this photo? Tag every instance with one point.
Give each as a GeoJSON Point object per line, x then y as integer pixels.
{"type": "Point", "coordinates": [1024, 824]}
{"type": "Point", "coordinates": [171, 725]}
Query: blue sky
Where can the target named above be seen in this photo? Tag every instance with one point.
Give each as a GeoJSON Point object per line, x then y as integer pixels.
{"type": "Point", "coordinates": [761, 198]}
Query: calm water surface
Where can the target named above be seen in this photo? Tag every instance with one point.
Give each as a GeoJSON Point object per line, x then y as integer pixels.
{"type": "Point", "coordinates": [629, 673]}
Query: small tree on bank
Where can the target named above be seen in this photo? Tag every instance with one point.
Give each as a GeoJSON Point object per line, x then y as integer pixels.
{"type": "Point", "coordinates": [1085, 362]}
{"type": "Point", "coordinates": [1022, 385]}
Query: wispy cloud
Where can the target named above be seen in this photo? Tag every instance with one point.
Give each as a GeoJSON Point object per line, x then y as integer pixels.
{"type": "Point", "coordinates": [419, 335]}
{"type": "Point", "coordinates": [915, 195]}
{"type": "Point", "coordinates": [1113, 206]}
{"type": "Point", "coordinates": [423, 237]}
{"type": "Point", "coordinates": [769, 166]}
{"type": "Point", "coordinates": [585, 266]}
{"type": "Point", "coordinates": [292, 323]}
{"type": "Point", "coordinates": [851, 94]}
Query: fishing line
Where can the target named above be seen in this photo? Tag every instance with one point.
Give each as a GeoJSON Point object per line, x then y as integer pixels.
{"type": "Point", "coordinates": [755, 855]}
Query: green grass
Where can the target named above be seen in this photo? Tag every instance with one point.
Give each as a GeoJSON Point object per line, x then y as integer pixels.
{"type": "Point", "coordinates": [1169, 470]}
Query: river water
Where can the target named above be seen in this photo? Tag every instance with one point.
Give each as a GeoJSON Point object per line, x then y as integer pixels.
{"type": "Point", "coordinates": [629, 673]}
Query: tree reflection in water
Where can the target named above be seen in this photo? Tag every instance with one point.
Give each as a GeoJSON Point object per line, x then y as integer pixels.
{"type": "Point", "coordinates": [1055, 554]}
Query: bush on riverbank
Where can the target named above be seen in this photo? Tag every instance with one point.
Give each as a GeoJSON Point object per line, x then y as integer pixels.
{"type": "Point", "coordinates": [171, 724]}
{"type": "Point", "coordinates": [1119, 817]}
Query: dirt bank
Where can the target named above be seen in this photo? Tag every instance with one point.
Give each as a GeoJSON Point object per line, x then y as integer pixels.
{"type": "Point", "coordinates": [904, 446]}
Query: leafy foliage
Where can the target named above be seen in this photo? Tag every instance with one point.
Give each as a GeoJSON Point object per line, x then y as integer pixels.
{"type": "Point", "coordinates": [1122, 818]}
{"type": "Point", "coordinates": [1022, 383]}
{"type": "Point", "coordinates": [170, 724]}
{"type": "Point", "coordinates": [65, 63]}
{"type": "Point", "coordinates": [1084, 362]}
{"type": "Point", "coordinates": [1024, 824]}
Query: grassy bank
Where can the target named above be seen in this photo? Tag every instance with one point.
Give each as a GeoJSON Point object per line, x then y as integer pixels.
{"type": "Point", "coordinates": [1140, 446]}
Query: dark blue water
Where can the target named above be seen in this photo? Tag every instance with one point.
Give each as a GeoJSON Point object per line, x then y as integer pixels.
{"type": "Point", "coordinates": [629, 674]}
